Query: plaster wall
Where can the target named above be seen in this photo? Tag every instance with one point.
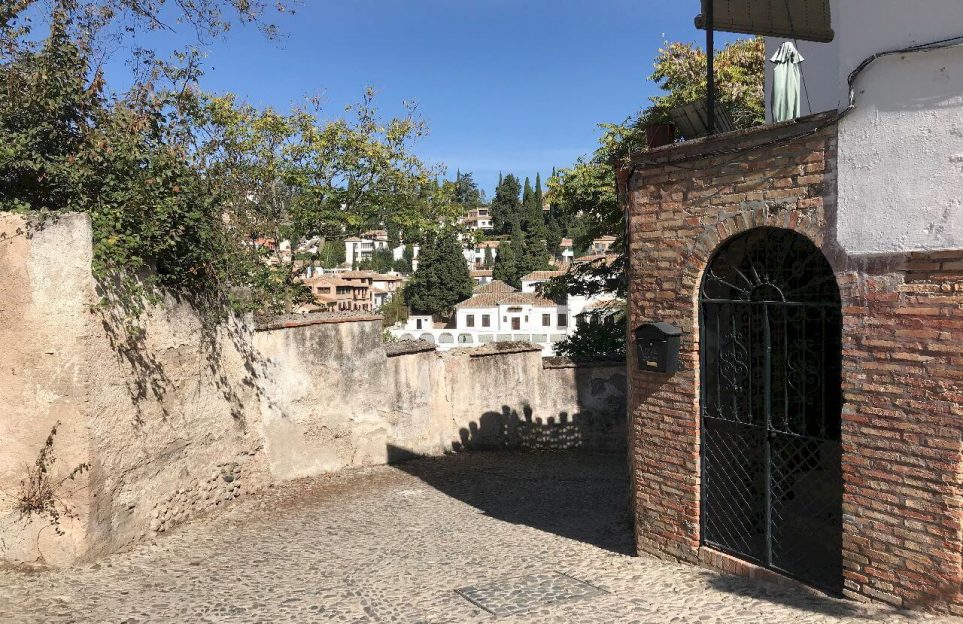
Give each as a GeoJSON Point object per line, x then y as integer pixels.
{"type": "Point", "coordinates": [42, 380]}
{"type": "Point", "coordinates": [322, 396]}
{"type": "Point", "coordinates": [899, 150]}
{"type": "Point", "coordinates": [160, 409]}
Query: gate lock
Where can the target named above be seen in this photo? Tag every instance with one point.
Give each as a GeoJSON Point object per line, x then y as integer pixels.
{"type": "Point", "coordinates": [657, 345]}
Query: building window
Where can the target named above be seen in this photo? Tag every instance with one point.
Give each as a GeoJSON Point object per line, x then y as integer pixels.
{"type": "Point", "coordinates": [418, 323]}
{"type": "Point", "coordinates": [563, 320]}
{"type": "Point", "coordinates": [546, 320]}
{"type": "Point", "coordinates": [486, 320]}
{"type": "Point", "coordinates": [470, 320]}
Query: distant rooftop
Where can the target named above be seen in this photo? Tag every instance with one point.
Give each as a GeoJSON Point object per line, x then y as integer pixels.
{"type": "Point", "coordinates": [496, 286]}
{"type": "Point", "coordinates": [540, 276]}
{"type": "Point", "coordinates": [491, 300]}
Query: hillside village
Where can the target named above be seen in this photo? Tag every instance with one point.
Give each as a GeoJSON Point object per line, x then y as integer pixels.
{"type": "Point", "coordinates": [495, 312]}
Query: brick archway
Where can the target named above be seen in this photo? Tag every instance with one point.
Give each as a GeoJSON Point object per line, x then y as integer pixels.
{"type": "Point", "coordinates": [901, 365]}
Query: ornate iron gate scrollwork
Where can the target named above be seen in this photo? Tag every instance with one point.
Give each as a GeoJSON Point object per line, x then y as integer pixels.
{"type": "Point", "coordinates": [771, 328]}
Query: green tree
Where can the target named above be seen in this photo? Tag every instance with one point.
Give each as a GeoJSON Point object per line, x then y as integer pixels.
{"type": "Point", "coordinates": [598, 336]}
{"type": "Point", "coordinates": [680, 70]}
{"type": "Point", "coordinates": [512, 261]}
{"type": "Point", "coordinates": [505, 206]}
{"type": "Point", "coordinates": [505, 267]}
{"type": "Point", "coordinates": [396, 310]}
{"type": "Point", "coordinates": [442, 278]}
{"type": "Point", "coordinates": [382, 261]}
{"type": "Point", "coordinates": [183, 182]}
{"type": "Point", "coordinates": [466, 190]}
{"type": "Point", "coordinates": [489, 258]}
{"type": "Point", "coordinates": [331, 254]}
{"type": "Point", "coordinates": [553, 237]}
{"type": "Point", "coordinates": [539, 196]}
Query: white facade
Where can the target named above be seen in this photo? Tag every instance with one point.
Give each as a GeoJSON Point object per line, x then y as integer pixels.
{"type": "Point", "coordinates": [900, 167]}
{"type": "Point", "coordinates": [478, 219]}
{"type": "Point", "coordinates": [515, 318]}
{"type": "Point", "coordinates": [475, 256]}
{"type": "Point", "coordinates": [357, 250]}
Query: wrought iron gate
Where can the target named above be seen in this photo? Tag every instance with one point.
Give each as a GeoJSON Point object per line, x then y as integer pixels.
{"type": "Point", "coordinates": [771, 402]}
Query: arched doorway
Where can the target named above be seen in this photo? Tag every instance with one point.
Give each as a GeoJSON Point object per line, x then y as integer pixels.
{"type": "Point", "coordinates": [770, 352]}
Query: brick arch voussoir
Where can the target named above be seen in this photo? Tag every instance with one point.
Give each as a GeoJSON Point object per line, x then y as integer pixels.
{"type": "Point", "coordinates": [715, 235]}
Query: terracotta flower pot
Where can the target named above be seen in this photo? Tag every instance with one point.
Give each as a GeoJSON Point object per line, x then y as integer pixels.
{"type": "Point", "coordinates": [657, 135]}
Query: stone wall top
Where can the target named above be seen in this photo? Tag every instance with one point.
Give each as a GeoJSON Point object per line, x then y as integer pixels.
{"type": "Point", "coordinates": [497, 348]}
{"type": "Point", "coordinates": [288, 321]}
{"type": "Point", "coordinates": [728, 142]}
{"type": "Point", "coordinates": [408, 347]}
{"type": "Point", "coordinates": [566, 362]}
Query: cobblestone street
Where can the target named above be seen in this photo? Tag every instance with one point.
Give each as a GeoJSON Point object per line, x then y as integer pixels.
{"type": "Point", "coordinates": [470, 538]}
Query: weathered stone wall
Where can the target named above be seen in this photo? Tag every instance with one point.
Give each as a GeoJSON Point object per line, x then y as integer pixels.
{"type": "Point", "coordinates": [322, 395]}
{"type": "Point", "coordinates": [902, 370]}
{"type": "Point", "coordinates": [180, 415]}
{"type": "Point", "coordinates": [165, 416]}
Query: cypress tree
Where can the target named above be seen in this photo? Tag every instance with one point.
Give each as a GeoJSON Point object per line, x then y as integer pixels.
{"type": "Point", "coordinates": [442, 278]}
{"type": "Point", "coordinates": [505, 206]}
{"type": "Point", "coordinates": [539, 198]}
{"type": "Point", "coordinates": [505, 267]}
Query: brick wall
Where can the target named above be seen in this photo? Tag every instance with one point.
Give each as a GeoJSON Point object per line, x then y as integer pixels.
{"type": "Point", "coordinates": [903, 367]}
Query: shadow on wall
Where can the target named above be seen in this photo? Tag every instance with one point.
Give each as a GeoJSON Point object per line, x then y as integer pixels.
{"type": "Point", "coordinates": [125, 316]}
{"type": "Point", "coordinates": [576, 495]}
{"type": "Point", "coordinates": [507, 430]}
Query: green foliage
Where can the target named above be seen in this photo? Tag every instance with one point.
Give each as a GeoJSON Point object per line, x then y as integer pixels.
{"type": "Point", "coordinates": [680, 70]}
{"type": "Point", "coordinates": [442, 278]}
{"type": "Point", "coordinates": [396, 310]}
{"type": "Point", "coordinates": [466, 190]}
{"type": "Point", "coordinates": [331, 254]}
{"type": "Point", "coordinates": [585, 196]}
{"type": "Point", "coordinates": [489, 258]}
{"type": "Point", "coordinates": [553, 237]}
{"type": "Point", "coordinates": [509, 263]}
{"type": "Point", "coordinates": [505, 207]}
{"type": "Point", "coordinates": [382, 261]}
{"type": "Point", "coordinates": [598, 336]}
{"type": "Point", "coordinates": [193, 189]}
{"type": "Point", "coordinates": [68, 148]}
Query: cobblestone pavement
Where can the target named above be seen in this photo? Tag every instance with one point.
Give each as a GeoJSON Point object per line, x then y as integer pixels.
{"type": "Point", "coordinates": [472, 538]}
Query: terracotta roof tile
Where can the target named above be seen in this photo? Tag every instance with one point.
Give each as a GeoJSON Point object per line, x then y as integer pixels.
{"type": "Point", "coordinates": [491, 300]}
{"type": "Point", "coordinates": [495, 286]}
{"type": "Point", "coordinates": [537, 276]}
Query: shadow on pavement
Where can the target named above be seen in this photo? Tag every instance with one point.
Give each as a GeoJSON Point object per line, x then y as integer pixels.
{"type": "Point", "coordinates": [578, 495]}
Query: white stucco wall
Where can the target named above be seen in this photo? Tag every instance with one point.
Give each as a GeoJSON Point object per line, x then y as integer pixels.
{"type": "Point", "coordinates": [900, 170]}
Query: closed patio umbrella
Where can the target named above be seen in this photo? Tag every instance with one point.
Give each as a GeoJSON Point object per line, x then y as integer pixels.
{"type": "Point", "coordinates": [787, 83]}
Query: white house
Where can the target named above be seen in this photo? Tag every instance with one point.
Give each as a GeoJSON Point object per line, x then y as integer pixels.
{"type": "Point", "coordinates": [481, 276]}
{"type": "Point", "coordinates": [478, 219]}
{"type": "Point", "coordinates": [477, 254]}
{"type": "Point", "coordinates": [360, 248]}
{"type": "Point", "coordinates": [533, 280]}
{"type": "Point", "coordinates": [495, 313]}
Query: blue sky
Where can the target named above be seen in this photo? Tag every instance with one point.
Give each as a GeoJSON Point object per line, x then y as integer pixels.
{"type": "Point", "coordinates": [516, 86]}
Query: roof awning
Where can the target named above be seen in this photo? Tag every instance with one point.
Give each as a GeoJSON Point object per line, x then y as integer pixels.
{"type": "Point", "coordinates": [809, 20]}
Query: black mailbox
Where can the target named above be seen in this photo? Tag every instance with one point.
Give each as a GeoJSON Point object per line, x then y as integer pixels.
{"type": "Point", "coordinates": [658, 347]}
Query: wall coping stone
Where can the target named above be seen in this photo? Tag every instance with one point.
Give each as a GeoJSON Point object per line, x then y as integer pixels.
{"type": "Point", "coordinates": [408, 347]}
{"type": "Point", "coordinates": [566, 362]}
{"type": "Point", "coordinates": [742, 140]}
{"type": "Point", "coordinates": [289, 321]}
{"type": "Point", "coordinates": [496, 348]}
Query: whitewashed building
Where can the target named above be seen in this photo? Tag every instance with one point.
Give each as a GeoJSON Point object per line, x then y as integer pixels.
{"type": "Point", "coordinates": [357, 249]}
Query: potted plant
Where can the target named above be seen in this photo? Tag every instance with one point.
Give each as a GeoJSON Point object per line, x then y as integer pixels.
{"type": "Point", "coordinates": [659, 129]}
